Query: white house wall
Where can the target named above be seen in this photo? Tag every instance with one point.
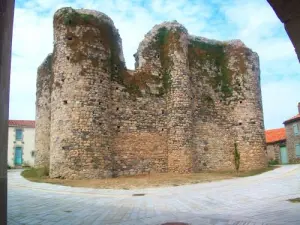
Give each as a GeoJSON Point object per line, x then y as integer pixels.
{"type": "Point", "coordinates": [28, 145]}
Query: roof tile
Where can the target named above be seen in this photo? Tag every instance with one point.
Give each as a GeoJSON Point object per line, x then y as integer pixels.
{"type": "Point", "coordinates": [294, 118]}
{"type": "Point", "coordinates": [275, 135]}
{"type": "Point", "coordinates": [21, 123]}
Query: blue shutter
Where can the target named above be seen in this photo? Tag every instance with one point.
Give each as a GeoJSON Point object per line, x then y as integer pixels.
{"type": "Point", "coordinates": [296, 129]}
{"type": "Point", "coordinates": [19, 134]}
{"type": "Point", "coordinates": [298, 150]}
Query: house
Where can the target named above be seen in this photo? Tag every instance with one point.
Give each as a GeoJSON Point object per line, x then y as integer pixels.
{"type": "Point", "coordinates": [276, 143]}
{"type": "Point", "coordinates": [21, 143]}
{"type": "Point", "coordinates": [283, 144]}
{"type": "Point", "coordinates": [292, 129]}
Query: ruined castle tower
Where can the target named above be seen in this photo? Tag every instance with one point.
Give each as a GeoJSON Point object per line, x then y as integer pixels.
{"type": "Point", "coordinates": [43, 117]}
{"type": "Point", "coordinates": [80, 101]}
{"type": "Point", "coordinates": [227, 105]}
{"type": "Point", "coordinates": [182, 109]}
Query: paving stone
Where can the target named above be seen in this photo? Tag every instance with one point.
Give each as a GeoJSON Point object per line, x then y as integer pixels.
{"type": "Point", "coordinates": [246, 201]}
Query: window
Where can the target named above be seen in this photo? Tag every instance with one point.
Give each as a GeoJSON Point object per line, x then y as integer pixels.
{"type": "Point", "coordinates": [296, 129]}
{"type": "Point", "coordinates": [19, 134]}
{"type": "Point", "coordinates": [298, 150]}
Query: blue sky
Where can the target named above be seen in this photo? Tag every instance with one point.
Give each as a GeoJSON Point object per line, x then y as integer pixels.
{"type": "Point", "coordinates": [254, 22]}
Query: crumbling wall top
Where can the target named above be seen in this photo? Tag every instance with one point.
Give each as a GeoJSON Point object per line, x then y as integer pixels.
{"type": "Point", "coordinates": [84, 14]}
{"type": "Point", "coordinates": [46, 64]}
{"type": "Point", "coordinates": [150, 38]}
{"type": "Point", "coordinates": [86, 17]}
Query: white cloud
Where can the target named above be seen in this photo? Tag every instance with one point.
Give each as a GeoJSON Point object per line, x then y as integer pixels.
{"type": "Point", "coordinates": [254, 22]}
{"type": "Point", "coordinates": [280, 100]}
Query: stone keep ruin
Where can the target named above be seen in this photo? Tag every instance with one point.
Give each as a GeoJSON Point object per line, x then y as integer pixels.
{"type": "Point", "coordinates": [182, 109]}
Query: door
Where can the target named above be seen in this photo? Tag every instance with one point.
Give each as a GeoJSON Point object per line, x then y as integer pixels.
{"type": "Point", "coordinates": [284, 155]}
{"type": "Point", "coordinates": [18, 156]}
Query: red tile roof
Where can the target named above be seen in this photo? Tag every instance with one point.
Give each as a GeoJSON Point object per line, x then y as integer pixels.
{"type": "Point", "coordinates": [294, 118]}
{"type": "Point", "coordinates": [275, 135]}
{"type": "Point", "coordinates": [21, 123]}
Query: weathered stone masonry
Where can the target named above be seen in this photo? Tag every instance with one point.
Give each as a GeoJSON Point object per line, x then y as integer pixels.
{"type": "Point", "coordinates": [43, 120]}
{"type": "Point", "coordinates": [182, 109]}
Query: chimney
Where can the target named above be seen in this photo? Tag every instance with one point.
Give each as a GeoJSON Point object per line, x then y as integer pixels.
{"type": "Point", "coordinates": [299, 107]}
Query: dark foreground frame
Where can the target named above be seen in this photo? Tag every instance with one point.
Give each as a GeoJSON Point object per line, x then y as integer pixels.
{"type": "Point", "coordinates": [6, 26]}
{"type": "Point", "coordinates": [288, 11]}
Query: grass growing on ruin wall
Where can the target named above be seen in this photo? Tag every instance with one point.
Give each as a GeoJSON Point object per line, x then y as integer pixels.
{"type": "Point", "coordinates": [162, 38]}
{"type": "Point", "coordinates": [141, 78]}
{"type": "Point", "coordinates": [108, 36]}
{"type": "Point", "coordinates": [110, 39]}
{"type": "Point", "coordinates": [213, 53]}
{"type": "Point", "coordinates": [164, 43]}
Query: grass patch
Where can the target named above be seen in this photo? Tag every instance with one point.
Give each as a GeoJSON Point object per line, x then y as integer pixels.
{"type": "Point", "coordinates": [35, 174]}
{"type": "Point", "coordinates": [142, 181]}
{"type": "Point", "coordinates": [256, 172]}
{"type": "Point", "coordinates": [294, 200]}
{"type": "Point", "coordinates": [273, 162]}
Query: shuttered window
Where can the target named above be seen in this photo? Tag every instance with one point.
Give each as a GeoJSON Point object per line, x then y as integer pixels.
{"type": "Point", "coordinates": [19, 134]}
{"type": "Point", "coordinates": [298, 150]}
{"type": "Point", "coordinates": [296, 129]}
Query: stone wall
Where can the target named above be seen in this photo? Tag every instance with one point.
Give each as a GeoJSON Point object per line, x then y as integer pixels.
{"type": "Point", "coordinates": [139, 140]}
{"type": "Point", "coordinates": [273, 151]}
{"type": "Point", "coordinates": [184, 106]}
{"type": "Point", "coordinates": [43, 117]}
{"type": "Point", "coordinates": [81, 94]}
{"type": "Point", "coordinates": [227, 105]}
{"type": "Point", "coordinates": [291, 141]}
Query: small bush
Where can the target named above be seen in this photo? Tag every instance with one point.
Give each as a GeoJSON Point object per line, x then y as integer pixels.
{"type": "Point", "coordinates": [26, 164]}
{"type": "Point", "coordinates": [295, 200]}
{"type": "Point", "coordinates": [8, 167]}
{"type": "Point", "coordinates": [273, 162]}
{"type": "Point", "coordinates": [36, 172]}
{"type": "Point", "coordinates": [236, 158]}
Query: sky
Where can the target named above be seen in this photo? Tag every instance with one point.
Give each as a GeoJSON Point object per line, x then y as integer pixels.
{"type": "Point", "coordinates": [253, 22]}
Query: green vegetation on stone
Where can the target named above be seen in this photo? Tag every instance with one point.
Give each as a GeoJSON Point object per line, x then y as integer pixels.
{"type": "Point", "coordinates": [109, 38]}
{"type": "Point", "coordinates": [133, 89]}
{"type": "Point", "coordinates": [166, 79]}
{"type": "Point", "coordinates": [162, 35]}
{"type": "Point", "coordinates": [236, 158]}
{"type": "Point", "coordinates": [161, 45]}
{"type": "Point", "coordinates": [73, 18]}
{"type": "Point", "coordinates": [215, 54]}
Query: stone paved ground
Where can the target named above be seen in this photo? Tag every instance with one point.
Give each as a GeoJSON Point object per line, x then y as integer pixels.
{"type": "Point", "coordinates": [253, 200]}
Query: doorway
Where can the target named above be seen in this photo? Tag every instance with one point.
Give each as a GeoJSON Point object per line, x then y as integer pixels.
{"type": "Point", "coordinates": [284, 155]}
{"type": "Point", "coordinates": [18, 156]}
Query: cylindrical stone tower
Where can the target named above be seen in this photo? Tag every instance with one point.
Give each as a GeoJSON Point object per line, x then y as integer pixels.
{"type": "Point", "coordinates": [248, 126]}
{"type": "Point", "coordinates": [43, 120]}
{"type": "Point", "coordinates": [86, 48]}
{"type": "Point", "coordinates": [179, 100]}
